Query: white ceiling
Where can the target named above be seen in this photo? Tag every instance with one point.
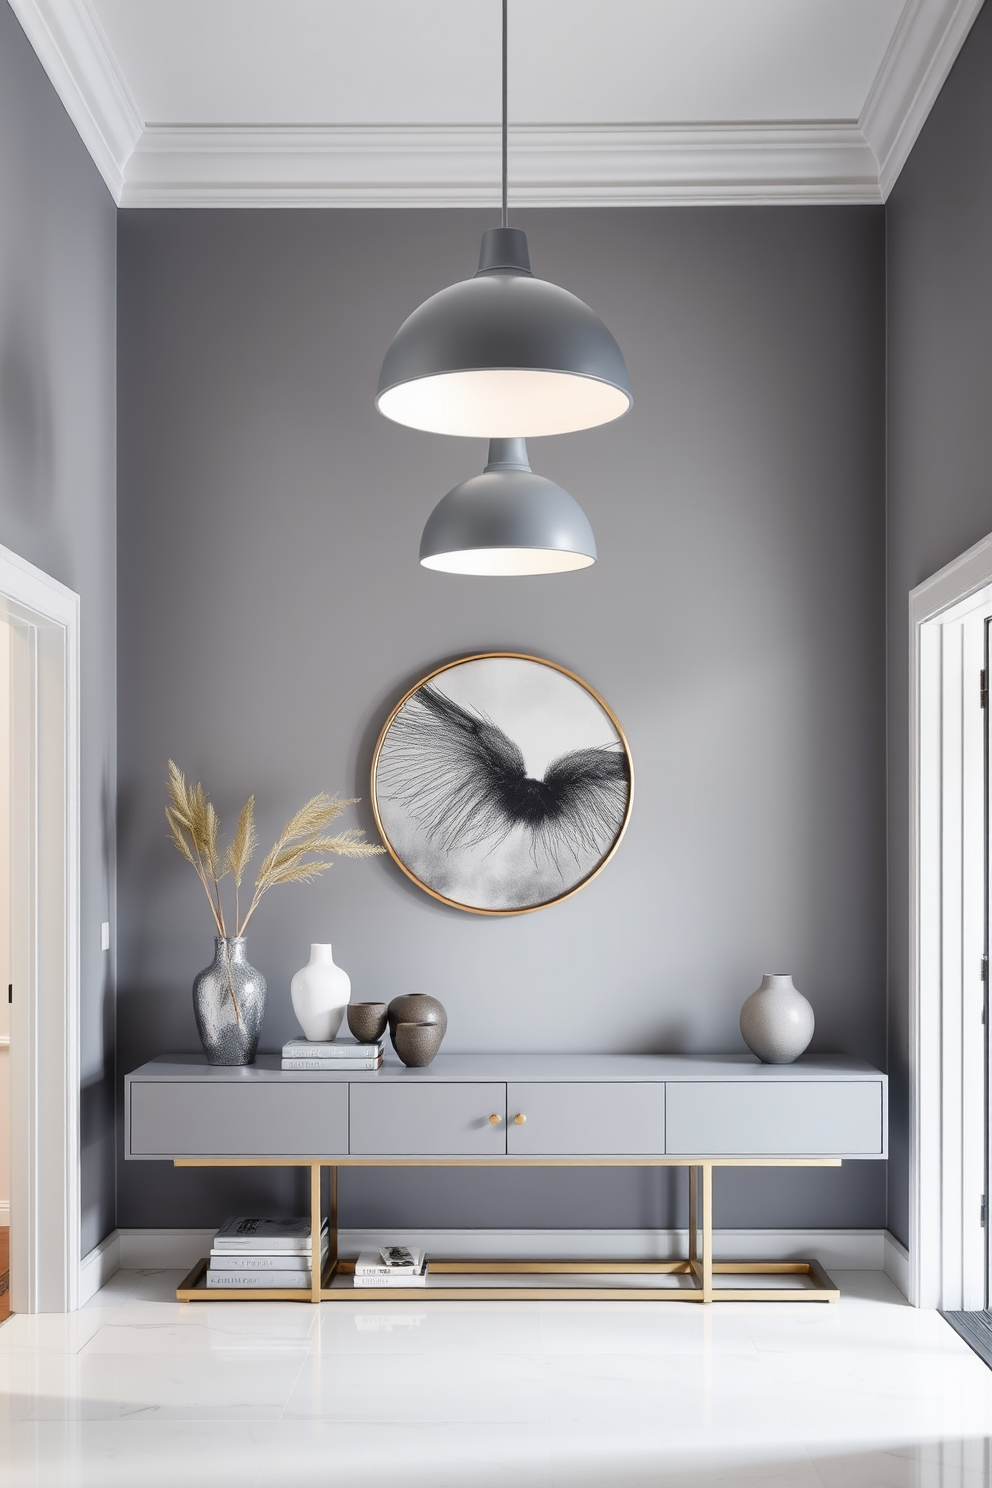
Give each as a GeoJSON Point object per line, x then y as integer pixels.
{"type": "Point", "coordinates": [388, 102]}
{"type": "Point", "coordinates": [438, 61]}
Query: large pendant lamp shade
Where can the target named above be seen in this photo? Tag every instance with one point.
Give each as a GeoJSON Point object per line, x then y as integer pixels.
{"type": "Point", "coordinates": [507, 521]}
{"type": "Point", "coordinates": [503, 354]}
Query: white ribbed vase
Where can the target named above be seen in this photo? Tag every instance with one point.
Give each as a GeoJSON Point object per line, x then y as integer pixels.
{"type": "Point", "coordinates": [320, 991]}
{"type": "Point", "coordinates": [776, 1021]}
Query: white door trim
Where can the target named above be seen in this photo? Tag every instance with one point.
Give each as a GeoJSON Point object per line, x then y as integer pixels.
{"type": "Point", "coordinates": [946, 1251]}
{"type": "Point", "coordinates": [44, 696]}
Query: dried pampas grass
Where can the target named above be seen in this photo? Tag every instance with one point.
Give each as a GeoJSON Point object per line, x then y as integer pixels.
{"type": "Point", "coordinates": [302, 852]}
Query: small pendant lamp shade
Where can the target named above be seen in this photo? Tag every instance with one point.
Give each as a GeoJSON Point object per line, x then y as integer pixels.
{"type": "Point", "coordinates": [503, 355]}
{"type": "Point", "coordinates": [507, 521]}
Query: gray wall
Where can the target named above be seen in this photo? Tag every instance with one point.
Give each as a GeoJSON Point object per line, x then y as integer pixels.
{"type": "Point", "coordinates": [57, 491]}
{"type": "Point", "coordinates": [272, 609]}
{"type": "Point", "coordinates": [939, 249]}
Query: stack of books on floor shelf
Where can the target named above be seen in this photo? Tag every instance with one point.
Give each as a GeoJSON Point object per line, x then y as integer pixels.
{"type": "Point", "coordinates": [261, 1253]}
{"type": "Point", "coordinates": [392, 1266]}
{"type": "Point", "coordinates": [335, 1054]}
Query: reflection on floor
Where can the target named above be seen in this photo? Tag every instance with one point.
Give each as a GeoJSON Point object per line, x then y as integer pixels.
{"type": "Point", "coordinates": [4, 1273]}
{"type": "Point", "coordinates": [137, 1389]}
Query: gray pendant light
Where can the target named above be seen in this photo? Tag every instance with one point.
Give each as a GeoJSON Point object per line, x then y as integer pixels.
{"type": "Point", "coordinates": [507, 521]}
{"type": "Point", "coordinates": [503, 354]}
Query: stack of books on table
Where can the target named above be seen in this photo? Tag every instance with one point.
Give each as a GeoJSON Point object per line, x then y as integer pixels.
{"type": "Point", "coordinates": [260, 1253]}
{"type": "Point", "coordinates": [335, 1054]}
{"type": "Point", "coordinates": [393, 1266]}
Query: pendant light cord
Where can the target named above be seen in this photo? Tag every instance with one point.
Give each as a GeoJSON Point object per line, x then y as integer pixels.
{"type": "Point", "coordinates": [505, 213]}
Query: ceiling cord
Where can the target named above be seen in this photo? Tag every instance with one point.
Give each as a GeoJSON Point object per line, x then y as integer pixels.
{"type": "Point", "coordinates": [505, 214]}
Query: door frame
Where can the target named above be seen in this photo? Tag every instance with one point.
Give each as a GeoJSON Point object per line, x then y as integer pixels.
{"type": "Point", "coordinates": [946, 930]}
{"type": "Point", "coordinates": [45, 963]}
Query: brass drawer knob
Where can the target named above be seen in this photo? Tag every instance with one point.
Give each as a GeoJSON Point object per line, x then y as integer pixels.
{"type": "Point", "coordinates": [494, 1120]}
{"type": "Point", "coordinates": [519, 1119]}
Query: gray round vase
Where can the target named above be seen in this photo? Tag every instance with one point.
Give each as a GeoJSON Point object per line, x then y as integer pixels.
{"type": "Point", "coordinates": [417, 1024]}
{"type": "Point", "coordinates": [416, 1007]}
{"type": "Point", "coordinates": [229, 1004]}
{"type": "Point", "coordinates": [776, 1021]}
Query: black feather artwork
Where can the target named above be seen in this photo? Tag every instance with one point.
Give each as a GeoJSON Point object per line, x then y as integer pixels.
{"type": "Point", "coordinates": [464, 781]}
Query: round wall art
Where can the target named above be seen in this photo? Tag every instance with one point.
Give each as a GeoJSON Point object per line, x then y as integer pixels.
{"type": "Point", "coordinates": [501, 783]}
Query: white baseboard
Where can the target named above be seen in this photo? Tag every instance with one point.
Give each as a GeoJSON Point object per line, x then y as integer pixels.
{"type": "Point", "coordinates": [896, 1262]}
{"type": "Point", "coordinates": [852, 1250]}
{"type": "Point", "coordinates": [149, 1250]}
{"type": "Point", "coordinates": [4, 1214]}
{"type": "Point", "coordinates": [845, 1250]}
{"type": "Point", "coordinates": [98, 1266]}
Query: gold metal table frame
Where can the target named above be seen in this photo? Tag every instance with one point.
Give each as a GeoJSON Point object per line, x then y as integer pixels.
{"type": "Point", "coordinates": [557, 1276]}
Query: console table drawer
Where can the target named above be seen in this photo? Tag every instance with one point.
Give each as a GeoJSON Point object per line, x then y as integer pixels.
{"type": "Point", "coordinates": [786, 1117]}
{"type": "Point", "coordinates": [190, 1119]}
{"type": "Point", "coordinates": [598, 1118]}
{"type": "Point", "coordinates": [428, 1120]}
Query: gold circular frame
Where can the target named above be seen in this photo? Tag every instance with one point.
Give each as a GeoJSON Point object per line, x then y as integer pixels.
{"type": "Point", "coordinates": [512, 656]}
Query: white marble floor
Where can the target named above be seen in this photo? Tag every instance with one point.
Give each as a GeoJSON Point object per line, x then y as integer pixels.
{"type": "Point", "coordinates": [138, 1390]}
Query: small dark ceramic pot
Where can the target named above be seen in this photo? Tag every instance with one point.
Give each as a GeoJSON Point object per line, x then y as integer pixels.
{"type": "Point", "coordinates": [417, 1043]}
{"type": "Point", "coordinates": [367, 1021]}
{"type": "Point", "coordinates": [416, 1007]}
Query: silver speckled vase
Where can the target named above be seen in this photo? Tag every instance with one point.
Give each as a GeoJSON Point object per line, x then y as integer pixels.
{"type": "Point", "coordinates": [776, 1021]}
{"type": "Point", "coordinates": [229, 1004]}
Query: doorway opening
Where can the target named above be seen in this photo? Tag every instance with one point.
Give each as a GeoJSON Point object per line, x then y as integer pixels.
{"type": "Point", "coordinates": [40, 992]}
{"type": "Point", "coordinates": [949, 896]}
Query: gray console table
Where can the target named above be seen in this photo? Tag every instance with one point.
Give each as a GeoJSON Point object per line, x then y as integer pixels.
{"type": "Point", "coordinates": [524, 1110]}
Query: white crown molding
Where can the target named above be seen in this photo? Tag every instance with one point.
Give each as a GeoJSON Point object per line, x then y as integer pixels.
{"type": "Point", "coordinates": [924, 47]}
{"type": "Point", "coordinates": [571, 166]}
{"type": "Point", "coordinates": [565, 166]}
{"type": "Point", "coordinates": [72, 48]}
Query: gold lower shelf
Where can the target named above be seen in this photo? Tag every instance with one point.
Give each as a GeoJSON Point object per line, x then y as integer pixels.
{"type": "Point", "coordinates": [546, 1281]}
